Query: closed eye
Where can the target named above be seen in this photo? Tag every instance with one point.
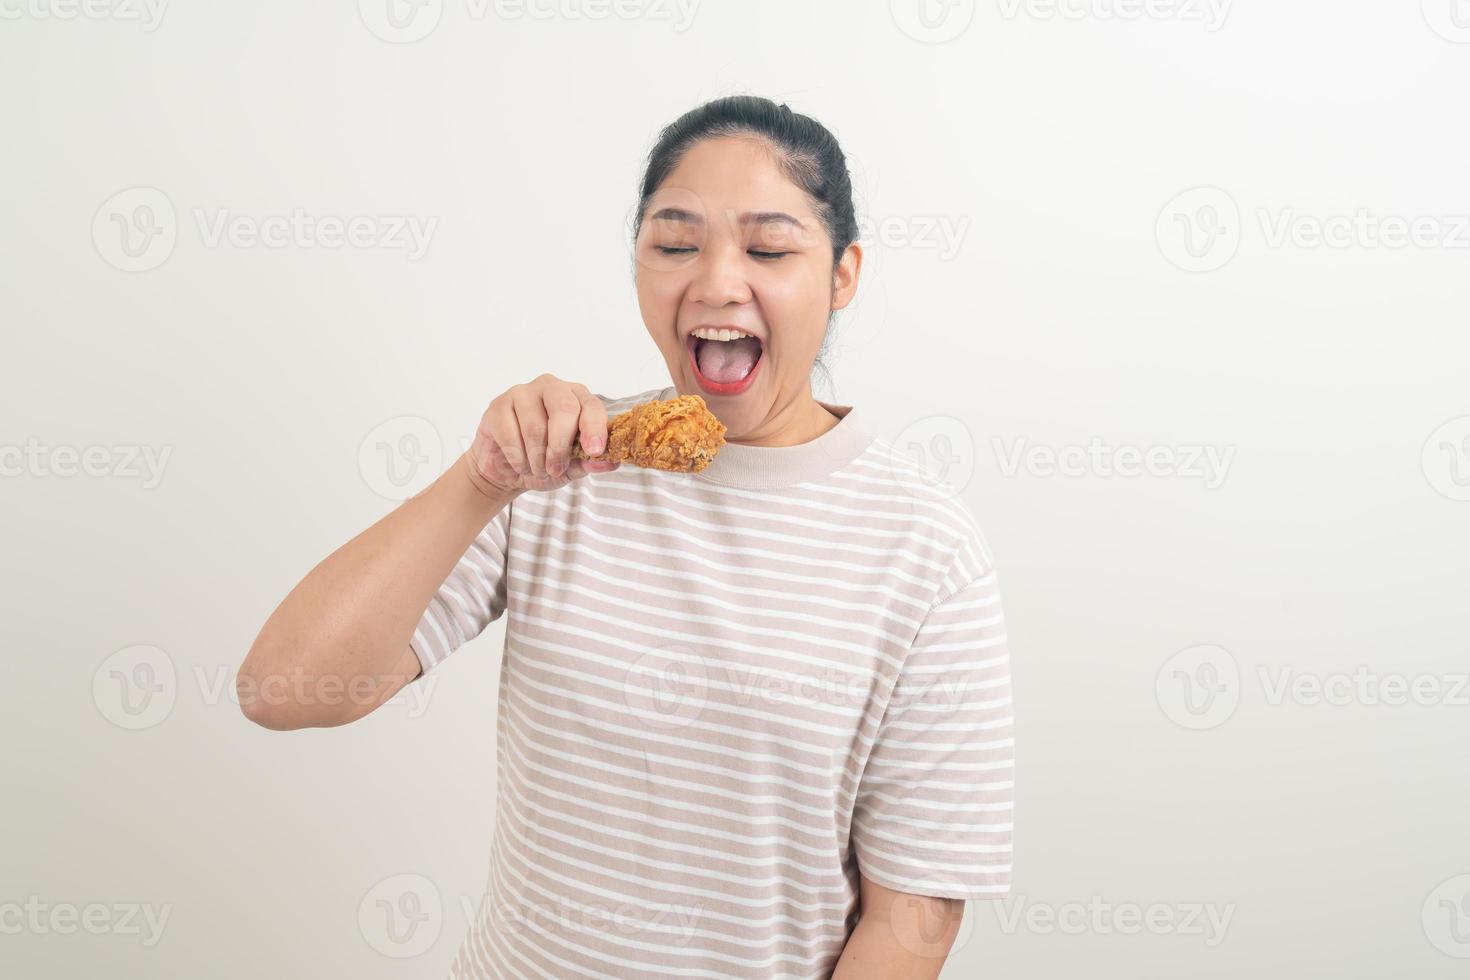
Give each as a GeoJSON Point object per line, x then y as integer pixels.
{"type": "Point", "coordinates": [669, 250]}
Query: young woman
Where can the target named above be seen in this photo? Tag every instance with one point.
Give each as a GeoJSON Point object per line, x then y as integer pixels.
{"type": "Point", "coordinates": [753, 721]}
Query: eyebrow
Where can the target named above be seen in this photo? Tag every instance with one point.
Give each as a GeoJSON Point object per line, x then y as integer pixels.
{"type": "Point", "coordinates": [749, 217]}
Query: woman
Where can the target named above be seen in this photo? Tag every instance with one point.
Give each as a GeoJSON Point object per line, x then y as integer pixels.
{"type": "Point", "coordinates": [753, 721]}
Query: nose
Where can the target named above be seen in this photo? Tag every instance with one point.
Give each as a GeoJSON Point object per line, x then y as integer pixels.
{"type": "Point", "coordinates": [719, 275]}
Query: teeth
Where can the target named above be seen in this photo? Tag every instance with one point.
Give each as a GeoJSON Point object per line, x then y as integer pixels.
{"type": "Point", "coordinates": [707, 333]}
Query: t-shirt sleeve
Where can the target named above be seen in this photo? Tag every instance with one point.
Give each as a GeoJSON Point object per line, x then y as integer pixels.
{"type": "Point", "coordinates": [471, 598]}
{"type": "Point", "coordinates": [933, 809]}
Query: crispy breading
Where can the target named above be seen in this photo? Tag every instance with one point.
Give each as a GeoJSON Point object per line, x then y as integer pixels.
{"type": "Point", "coordinates": [678, 434]}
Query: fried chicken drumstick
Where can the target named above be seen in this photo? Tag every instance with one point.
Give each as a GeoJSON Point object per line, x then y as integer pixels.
{"type": "Point", "coordinates": [680, 435]}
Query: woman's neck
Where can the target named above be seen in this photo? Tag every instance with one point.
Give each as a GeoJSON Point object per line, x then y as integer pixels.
{"type": "Point", "coordinates": [801, 421]}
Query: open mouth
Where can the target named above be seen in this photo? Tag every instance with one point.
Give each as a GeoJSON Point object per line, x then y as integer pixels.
{"type": "Point", "coordinates": [725, 367]}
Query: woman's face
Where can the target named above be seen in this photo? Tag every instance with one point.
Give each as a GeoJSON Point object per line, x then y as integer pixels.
{"type": "Point", "coordinates": [728, 241]}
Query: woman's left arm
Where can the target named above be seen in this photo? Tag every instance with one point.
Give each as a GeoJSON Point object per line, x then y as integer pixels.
{"type": "Point", "coordinates": [899, 936]}
{"type": "Point", "coordinates": [932, 813]}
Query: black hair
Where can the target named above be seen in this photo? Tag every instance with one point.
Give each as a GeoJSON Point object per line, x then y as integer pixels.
{"type": "Point", "coordinates": [805, 150]}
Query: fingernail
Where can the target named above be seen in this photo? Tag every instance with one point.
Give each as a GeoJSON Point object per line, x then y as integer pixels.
{"type": "Point", "coordinates": [595, 446]}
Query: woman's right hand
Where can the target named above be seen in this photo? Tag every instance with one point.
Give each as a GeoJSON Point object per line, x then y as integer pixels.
{"type": "Point", "coordinates": [524, 440]}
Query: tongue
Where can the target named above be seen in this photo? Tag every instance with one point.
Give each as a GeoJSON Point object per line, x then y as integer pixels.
{"type": "Point", "coordinates": [727, 361]}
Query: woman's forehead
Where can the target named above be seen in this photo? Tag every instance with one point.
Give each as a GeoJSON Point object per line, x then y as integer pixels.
{"type": "Point", "coordinates": [731, 176]}
{"type": "Point", "coordinates": [747, 219]}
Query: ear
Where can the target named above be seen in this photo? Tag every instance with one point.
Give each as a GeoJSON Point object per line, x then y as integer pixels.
{"type": "Point", "coordinates": [845, 276]}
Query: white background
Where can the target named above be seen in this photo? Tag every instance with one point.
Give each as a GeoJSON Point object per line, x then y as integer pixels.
{"type": "Point", "coordinates": [1052, 142]}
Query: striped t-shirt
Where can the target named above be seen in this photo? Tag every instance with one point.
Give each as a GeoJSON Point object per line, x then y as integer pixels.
{"type": "Point", "coordinates": [722, 695]}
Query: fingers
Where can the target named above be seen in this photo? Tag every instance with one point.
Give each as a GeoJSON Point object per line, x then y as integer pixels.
{"type": "Point", "coordinates": [578, 468]}
{"type": "Point", "coordinates": [593, 422]}
{"type": "Point", "coordinates": [531, 423]}
{"type": "Point", "coordinates": [525, 437]}
{"type": "Point", "coordinates": [562, 408]}
{"type": "Point", "coordinates": [502, 435]}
